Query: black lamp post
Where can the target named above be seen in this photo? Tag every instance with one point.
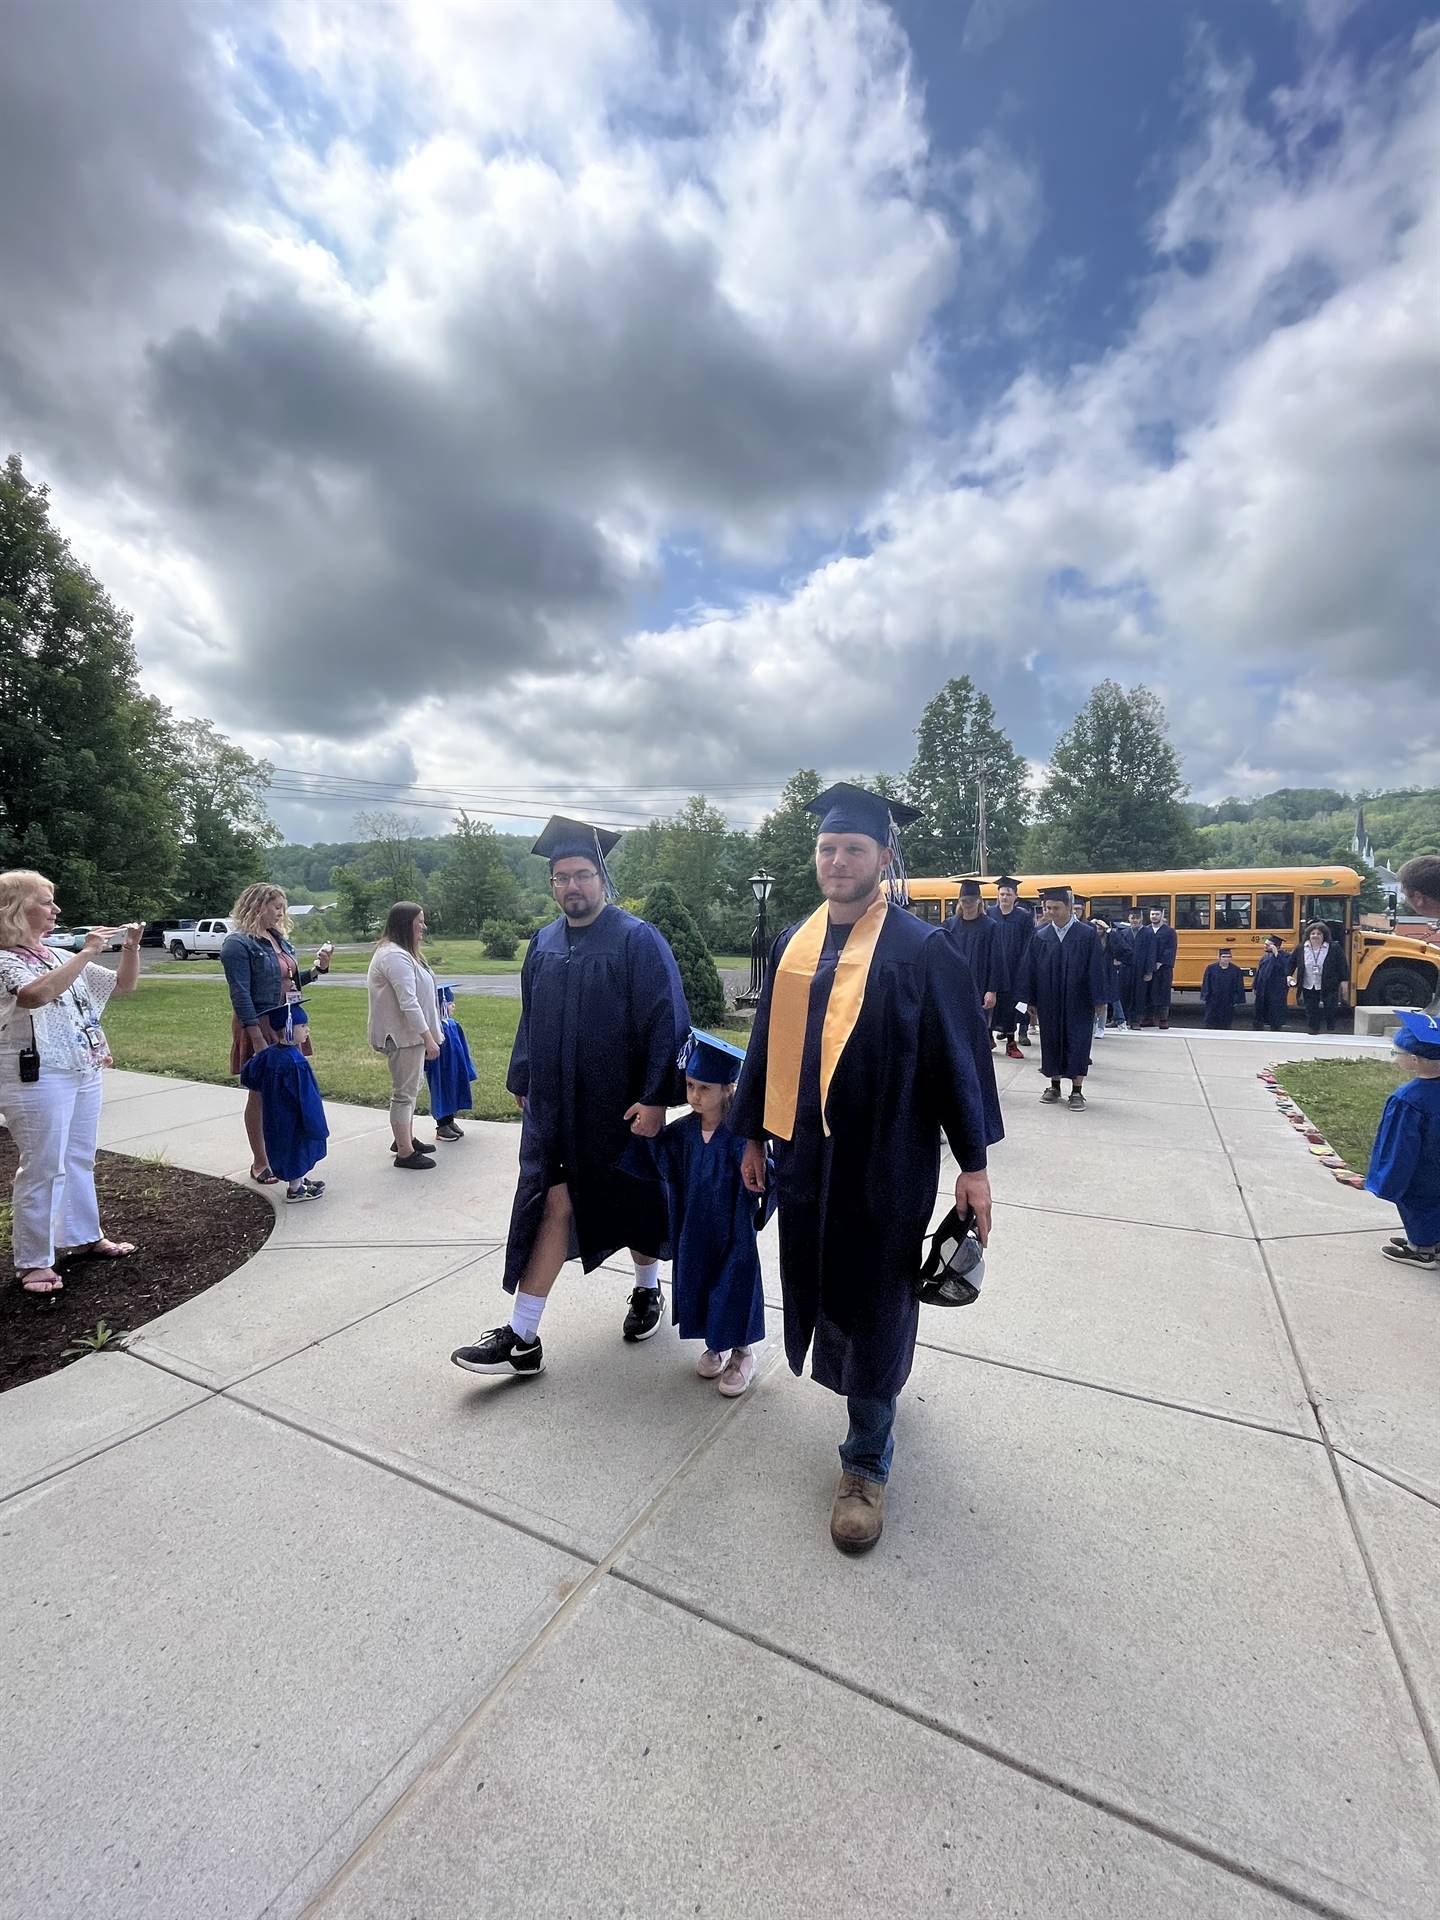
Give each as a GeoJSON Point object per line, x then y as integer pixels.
{"type": "Point", "coordinates": [760, 885]}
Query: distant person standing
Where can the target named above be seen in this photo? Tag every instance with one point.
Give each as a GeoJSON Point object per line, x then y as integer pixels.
{"type": "Point", "coordinates": [1064, 979]}
{"type": "Point", "coordinates": [405, 1025]}
{"type": "Point", "coordinates": [264, 979]}
{"type": "Point", "coordinates": [977, 938]}
{"type": "Point", "coordinates": [1420, 883]}
{"type": "Point", "coordinates": [1316, 970]}
{"type": "Point", "coordinates": [1121, 947]}
{"type": "Point", "coordinates": [1222, 990]}
{"type": "Point", "coordinates": [1142, 968]}
{"type": "Point", "coordinates": [1163, 978]}
{"type": "Point", "coordinates": [1271, 986]}
{"type": "Point", "coordinates": [1015, 926]}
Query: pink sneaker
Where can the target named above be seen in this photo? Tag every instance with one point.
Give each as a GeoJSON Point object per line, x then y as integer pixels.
{"type": "Point", "coordinates": [739, 1372]}
{"type": "Point", "coordinates": [710, 1365]}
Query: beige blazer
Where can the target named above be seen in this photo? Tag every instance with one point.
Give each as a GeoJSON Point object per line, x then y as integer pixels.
{"type": "Point", "coordinates": [403, 1006]}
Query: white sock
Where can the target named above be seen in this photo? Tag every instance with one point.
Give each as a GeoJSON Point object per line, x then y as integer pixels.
{"type": "Point", "coordinates": [525, 1316]}
{"type": "Point", "coordinates": [648, 1276]}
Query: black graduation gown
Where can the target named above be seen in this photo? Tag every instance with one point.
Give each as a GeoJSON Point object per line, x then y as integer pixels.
{"type": "Point", "coordinates": [1222, 990]}
{"type": "Point", "coordinates": [716, 1292]}
{"type": "Point", "coordinates": [1166, 946]}
{"type": "Point", "coordinates": [1064, 981]}
{"type": "Point", "coordinates": [1120, 951]}
{"type": "Point", "coordinates": [602, 1020]}
{"type": "Point", "coordinates": [979, 943]}
{"type": "Point", "coordinates": [1272, 990]}
{"type": "Point", "coordinates": [855, 1205]}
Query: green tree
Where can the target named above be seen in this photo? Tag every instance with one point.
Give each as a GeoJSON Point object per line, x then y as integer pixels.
{"type": "Point", "coordinates": [226, 831]}
{"type": "Point", "coordinates": [960, 750]}
{"type": "Point", "coordinates": [785, 847]}
{"type": "Point", "coordinates": [476, 884]}
{"type": "Point", "coordinates": [357, 900]}
{"type": "Point", "coordinates": [86, 790]}
{"type": "Point", "coordinates": [704, 993]}
{"type": "Point", "coordinates": [1113, 794]}
{"type": "Point", "coordinates": [388, 854]}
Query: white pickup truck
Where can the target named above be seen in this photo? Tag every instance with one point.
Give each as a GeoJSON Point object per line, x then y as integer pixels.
{"type": "Point", "coordinates": [203, 941]}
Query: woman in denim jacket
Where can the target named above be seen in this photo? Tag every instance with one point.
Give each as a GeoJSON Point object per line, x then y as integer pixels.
{"type": "Point", "coordinates": [264, 979]}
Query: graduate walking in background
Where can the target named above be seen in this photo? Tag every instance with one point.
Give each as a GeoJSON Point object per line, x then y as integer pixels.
{"type": "Point", "coordinates": [1222, 990]}
{"type": "Point", "coordinates": [977, 939]}
{"type": "Point", "coordinates": [1121, 952]}
{"type": "Point", "coordinates": [715, 1287]}
{"type": "Point", "coordinates": [1272, 987]}
{"type": "Point", "coordinates": [451, 1074]}
{"type": "Point", "coordinates": [1405, 1161]}
{"type": "Point", "coordinates": [1015, 929]}
{"type": "Point", "coordinates": [1064, 979]}
{"type": "Point", "coordinates": [1142, 968]}
{"type": "Point", "coordinates": [1157, 1011]}
{"type": "Point", "coordinates": [602, 1021]}
{"type": "Point", "coordinates": [868, 1044]}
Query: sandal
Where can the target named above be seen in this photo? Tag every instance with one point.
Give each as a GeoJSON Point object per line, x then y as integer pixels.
{"type": "Point", "coordinates": [265, 1178]}
{"type": "Point", "coordinates": [41, 1283]}
{"type": "Point", "coordinates": [101, 1249]}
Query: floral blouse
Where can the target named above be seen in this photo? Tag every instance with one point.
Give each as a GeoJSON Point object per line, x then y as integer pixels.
{"type": "Point", "coordinates": [67, 1030]}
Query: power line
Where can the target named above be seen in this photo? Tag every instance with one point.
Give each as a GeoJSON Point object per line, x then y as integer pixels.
{"type": "Point", "coordinates": [361, 799]}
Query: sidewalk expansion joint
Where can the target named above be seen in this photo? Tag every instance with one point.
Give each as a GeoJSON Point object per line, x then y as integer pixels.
{"type": "Point", "coordinates": [1388, 1476]}
{"type": "Point", "coordinates": [1121, 1220]}
{"type": "Point", "coordinates": [1013, 1763]}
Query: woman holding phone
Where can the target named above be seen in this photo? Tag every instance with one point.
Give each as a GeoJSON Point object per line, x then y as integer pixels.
{"type": "Point", "coordinates": [52, 1048]}
{"type": "Point", "coordinates": [264, 978]}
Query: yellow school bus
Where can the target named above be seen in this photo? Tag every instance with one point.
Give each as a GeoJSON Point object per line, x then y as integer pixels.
{"type": "Point", "coordinates": [1235, 907]}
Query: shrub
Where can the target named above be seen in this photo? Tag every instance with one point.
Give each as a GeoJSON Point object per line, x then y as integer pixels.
{"type": "Point", "coordinates": [498, 940]}
{"type": "Point", "coordinates": [704, 993]}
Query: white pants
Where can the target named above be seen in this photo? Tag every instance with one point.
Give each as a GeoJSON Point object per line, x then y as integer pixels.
{"type": "Point", "coordinates": [54, 1121]}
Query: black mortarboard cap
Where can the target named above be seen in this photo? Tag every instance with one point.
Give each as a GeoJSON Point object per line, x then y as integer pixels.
{"type": "Point", "coordinates": [1223, 950]}
{"type": "Point", "coordinates": [563, 839]}
{"type": "Point", "coordinates": [1054, 893]}
{"type": "Point", "coordinates": [969, 889]}
{"type": "Point", "coordinates": [1008, 880]}
{"type": "Point", "coordinates": [847, 809]}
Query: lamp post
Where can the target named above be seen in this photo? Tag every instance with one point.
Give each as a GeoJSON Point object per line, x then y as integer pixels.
{"type": "Point", "coordinates": [760, 885]}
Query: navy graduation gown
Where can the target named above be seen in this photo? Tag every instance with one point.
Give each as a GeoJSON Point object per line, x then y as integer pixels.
{"type": "Point", "coordinates": [1120, 951]}
{"type": "Point", "coordinates": [716, 1293]}
{"type": "Point", "coordinates": [602, 1019]}
{"type": "Point", "coordinates": [449, 1075]}
{"type": "Point", "coordinates": [292, 1117]}
{"type": "Point", "coordinates": [1014, 932]}
{"type": "Point", "coordinates": [1222, 990]}
{"type": "Point", "coordinates": [1405, 1160]}
{"type": "Point", "coordinates": [1064, 981]}
{"type": "Point", "coordinates": [1272, 990]}
{"type": "Point", "coordinates": [1166, 946]}
{"type": "Point", "coordinates": [979, 944]}
{"type": "Point", "coordinates": [855, 1205]}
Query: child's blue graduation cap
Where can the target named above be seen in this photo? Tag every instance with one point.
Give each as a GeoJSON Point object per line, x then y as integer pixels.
{"type": "Point", "coordinates": [1419, 1034]}
{"type": "Point", "coordinates": [703, 1057]}
{"type": "Point", "coordinates": [446, 990]}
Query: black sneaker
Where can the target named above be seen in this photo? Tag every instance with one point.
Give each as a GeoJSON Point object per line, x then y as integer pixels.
{"type": "Point", "coordinates": [647, 1307]}
{"type": "Point", "coordinates": [501, 1351]}
{"type": "Point", "coordinates": [1077, 1100]}
{"type": "Point", "coordinates": [1409, 1255]}
{"type": "Point", "coordinates": [447, 1130]}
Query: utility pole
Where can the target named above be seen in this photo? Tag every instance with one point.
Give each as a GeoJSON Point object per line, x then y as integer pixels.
{"type": "Point", "coordinates": [982, 845]}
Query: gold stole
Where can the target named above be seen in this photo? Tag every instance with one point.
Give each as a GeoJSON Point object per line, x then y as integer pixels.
{"type": "Point", "coordinates": [790, 1007]}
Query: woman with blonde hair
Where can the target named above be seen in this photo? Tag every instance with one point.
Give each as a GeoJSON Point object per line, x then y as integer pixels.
{"type": "Point", "coordinates": [265, 979]}
{"type": "Point", "coordinates": [52, 1048]}
{"type": "Point", "coordinates": [404, 1023]}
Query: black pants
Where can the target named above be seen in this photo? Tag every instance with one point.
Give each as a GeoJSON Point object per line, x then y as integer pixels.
{"type": "Point", "coordinates": [1005, 1020]}
{"type": "Point", "coordinates": [1317, 1003]}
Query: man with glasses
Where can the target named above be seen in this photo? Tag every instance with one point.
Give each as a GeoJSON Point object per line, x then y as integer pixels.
{"type": "Point", "coordinates": [602, 1022]}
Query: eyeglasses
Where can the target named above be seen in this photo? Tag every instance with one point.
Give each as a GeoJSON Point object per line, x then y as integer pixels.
{"type": "Point", "coordinates": [583, 878]}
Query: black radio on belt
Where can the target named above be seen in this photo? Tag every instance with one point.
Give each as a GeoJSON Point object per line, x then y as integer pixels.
{"type": "Point", "coordinates": [29, 1061]}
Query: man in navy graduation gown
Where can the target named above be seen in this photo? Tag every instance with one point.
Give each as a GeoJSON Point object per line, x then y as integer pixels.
{"type": "Point", "coordinates": [868, 1043]}
{"type": "Point", "coordinates": [1121, 951]}
{"type": "Point", "coordinates": [1157, 1009]}
{"type": "Point", "coordinates": [1142, 972]}
{"type": "Point", "coordinates": [1066, 980]}
{"type": "Point", "coordinates": [973, 932]}
{"type": "Point", "coordinates": [1222, 990]}
{"type": "Point", "coordinates": [1015, 929]}
{"type": "Point", "coordinates": [602, 1022]}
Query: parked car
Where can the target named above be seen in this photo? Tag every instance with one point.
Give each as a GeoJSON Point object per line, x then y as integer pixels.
{"type": "Point", "coordinates": [62, 938]}
{"type": "Point", "coordinates": [154, 934]}
{"type": "Point", "coordinates": [72, 939]}
{"type": "Point", "coordinates": [201, 940]}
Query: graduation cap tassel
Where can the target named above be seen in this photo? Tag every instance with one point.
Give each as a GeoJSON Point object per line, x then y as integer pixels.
{"type": "Point", "coordinates": [897, 881]}
{"type": "Point", "coordinates": [611, 892]}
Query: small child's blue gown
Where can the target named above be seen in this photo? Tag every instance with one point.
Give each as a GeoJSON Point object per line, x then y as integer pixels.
{"type": "Point", "coordinates": [449, 1075]}
{"type": "Point", "coordinates": [1405, 1160]}
{"type": "Point", "coordinates": [716, 1292]}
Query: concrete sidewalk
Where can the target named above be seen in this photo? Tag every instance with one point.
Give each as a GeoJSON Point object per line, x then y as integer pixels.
{"type": "Point", "coordinates": [300, 1620]}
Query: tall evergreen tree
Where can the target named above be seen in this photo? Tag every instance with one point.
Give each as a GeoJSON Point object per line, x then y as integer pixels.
{"type": "Point", "coordinates": [1113, 796]}
{"type": "Point", "coordinates": [85, 758]}
{"type": "Point", "coordinates": [960, 749]}
{"type": "Point", "coordinates": [704, 991]}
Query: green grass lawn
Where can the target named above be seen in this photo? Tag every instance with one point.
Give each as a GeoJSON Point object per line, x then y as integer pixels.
{"type": "Point", "coordinates": [188, 1035]}
{"type": "Point", "coordinates": [1344, 1099]}
{"type": "Point", "coordinates": [445, 956]}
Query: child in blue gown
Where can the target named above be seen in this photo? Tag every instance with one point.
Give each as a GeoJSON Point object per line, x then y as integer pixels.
{"type": "Point", "coordinates": [450, 1073]}
{"type": "Point", "coordinates": [1405, 1161]}
{"type": "Point", "coordinates": [715, 1283]}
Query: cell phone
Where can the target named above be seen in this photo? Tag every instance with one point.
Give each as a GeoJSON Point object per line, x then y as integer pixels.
{"type": "Point", "coordinates": [29, 1065]}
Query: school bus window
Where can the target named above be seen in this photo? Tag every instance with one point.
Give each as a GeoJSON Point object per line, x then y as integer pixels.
{"type": "Point", "coordinates": [931, 910]}
{"type": "Point", "coordinates": [1148, 900]}
{"type": "Point", "coordinates": [1328, 908]}
{"type": "Point", "coordinates": [1274, 911]}
{"type": "Point", "coordinates": [1110, 906]}
{"type": "Point", "coordinates": [1192, 912]}
{"type": "Point", "coordinates": [1232, 912]}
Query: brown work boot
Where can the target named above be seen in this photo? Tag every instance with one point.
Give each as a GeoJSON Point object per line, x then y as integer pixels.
{"type": "Point", "coordinates": [857, 1518]}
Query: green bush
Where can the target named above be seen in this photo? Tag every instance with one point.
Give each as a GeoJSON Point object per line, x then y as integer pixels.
{"type": "Point", "coordinates": [704, 993]}
{"type": "Point", "coordinates": [499, 941]}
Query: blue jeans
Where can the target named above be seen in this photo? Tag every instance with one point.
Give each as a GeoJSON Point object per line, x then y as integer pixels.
{"type": "Point", "coordinates": [870, 1443]}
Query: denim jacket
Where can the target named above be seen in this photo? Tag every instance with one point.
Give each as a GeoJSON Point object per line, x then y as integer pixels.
{"type": "Point", "coordinates": [252, 973]}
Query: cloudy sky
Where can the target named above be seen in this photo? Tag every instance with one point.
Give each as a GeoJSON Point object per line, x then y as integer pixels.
{"type": "Point", "coordinates": [587, 403]}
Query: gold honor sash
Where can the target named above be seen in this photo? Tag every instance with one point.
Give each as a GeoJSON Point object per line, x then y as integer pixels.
{"type": "Point", "coordinates": [790, 1007]}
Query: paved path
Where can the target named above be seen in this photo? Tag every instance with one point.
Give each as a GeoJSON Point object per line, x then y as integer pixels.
{"type": "Point", "coordinates": [299, 1620]}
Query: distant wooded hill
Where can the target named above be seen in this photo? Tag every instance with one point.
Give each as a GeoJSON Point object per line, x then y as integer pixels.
{"type": "Point", "coordinates": [1309, 824]}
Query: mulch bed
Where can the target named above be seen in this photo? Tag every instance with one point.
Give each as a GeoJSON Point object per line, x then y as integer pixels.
{"type": "Point", "coordinates": [189, 1230]}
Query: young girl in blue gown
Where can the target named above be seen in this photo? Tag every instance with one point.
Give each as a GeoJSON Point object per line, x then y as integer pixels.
{"type": "Point", "coordinates": [1405, 1161]}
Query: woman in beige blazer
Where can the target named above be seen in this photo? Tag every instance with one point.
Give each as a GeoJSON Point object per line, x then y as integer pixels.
{"type": "Point", "coordinates": [404, 1024]}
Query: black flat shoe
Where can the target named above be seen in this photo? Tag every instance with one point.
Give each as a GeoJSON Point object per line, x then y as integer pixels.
{"type": "Point", "coordinates": [449, 1132]}
{"type": "Point", "coordinates": [416, 1162]}
{"type": "Point", "coordinates": [417, 1146]}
